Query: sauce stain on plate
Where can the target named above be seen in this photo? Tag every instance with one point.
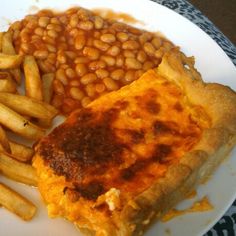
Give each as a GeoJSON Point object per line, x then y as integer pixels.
{"type": "Point", "coordinates": [111, 15]}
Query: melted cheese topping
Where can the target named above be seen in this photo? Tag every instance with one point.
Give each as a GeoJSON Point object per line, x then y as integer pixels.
{"type": "Point", "coordinates": [199, 206]}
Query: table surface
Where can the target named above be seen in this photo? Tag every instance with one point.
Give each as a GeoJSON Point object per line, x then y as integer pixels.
{"type": "Point", "coordinates": [221, 13]}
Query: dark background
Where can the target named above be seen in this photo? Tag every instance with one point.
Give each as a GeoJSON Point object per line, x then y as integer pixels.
{"type": "Point", "coordinates": [222, 13]}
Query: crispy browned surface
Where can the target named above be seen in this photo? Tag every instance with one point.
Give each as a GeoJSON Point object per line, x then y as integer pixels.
{"type": "Point", "coordinates": [143, 148]}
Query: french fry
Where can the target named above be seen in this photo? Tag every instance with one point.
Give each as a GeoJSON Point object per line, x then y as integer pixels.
{"type": "Point", "coordinates": [21, 152]}
{"type": "Point", "coordinates": [17, 170]}
{"type": "Point", "coordinates": [7, 84]}
{"type": "Point", "coordinates": [16, 203]}
{"type": "Point", "coordinates": [8, 48]}
{"type": "Point", "coordinates": [19, 124]}
{"type": "Point", "coordinates": [47, 80]}
{"type": "Point", "coordinates": [1, 34]}
{"type": "Point", "coordinates": [10, 61]}
{"type": "Point", "coordinates": [4, 140]}
{"type": "Point", "coordinates": [33, 83]}
{"type": "Point", "coordinates": [28, 106]}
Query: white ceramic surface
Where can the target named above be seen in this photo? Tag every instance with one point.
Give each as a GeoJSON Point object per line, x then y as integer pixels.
{"type": "Point", "coordinates": [213, 64]}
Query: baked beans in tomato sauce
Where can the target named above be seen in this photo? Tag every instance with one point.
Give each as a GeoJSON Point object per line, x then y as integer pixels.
{"type": "Point", "coordinates": [89, 55]}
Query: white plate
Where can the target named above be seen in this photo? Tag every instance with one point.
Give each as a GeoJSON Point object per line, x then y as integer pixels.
{"type": "Point", "coordinates": [213, 64]}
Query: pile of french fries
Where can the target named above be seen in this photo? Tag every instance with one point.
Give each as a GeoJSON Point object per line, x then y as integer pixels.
{"type": "Point", "coordinates": [27, 115]}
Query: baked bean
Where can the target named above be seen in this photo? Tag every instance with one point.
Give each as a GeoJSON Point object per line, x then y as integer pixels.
{"type": "Point", "coordinates": [81, 60]}
{"type": "Point", "coordinates": [91, 53]}
{"type": "Point", "coordinates": [97, 34]}
{"type": "Point", "coordinates": [39, 31]}
{"type": "Point", "coordinates": [76, 93]}
{"type": "Point", "coordinates": [108, 38]}
{"type": "Point", "coordinates": [167, 45]}
{"type": "Point", "coordinates": [55, 27]}
{"type": "Point", "coordinates": [48, 39]}
{"type": "Point", "coordinates": [101, 73]}
{"type": "Point", "coordinates": [88, 78]}
{"type": "Point", "coordinates": [110, 61]}
{"type": "Point", "coordinates": [58, 87]}
{"type": "Point", "coordinates": [142, 56]}
{"type": "Point", "coordinates": [128, 53]}
{"type": "Point", "coordinates": [132, 63]}
{"type": "Point", "coordinates": [70, 73]}
{"type": "Point", "coordinates": [98, 22]}
{"type": "Point", "coordinates": [117, 74]}
{"type": "Point", "coordinates": [64, 66]}
{"type": "Point", "coordinates": [138, 74]}
{"type": "Point", "coordinates": [74, 32]}
{"type": "Point", "coordinates": [85, 25]}
{"type": "Point", "coordinates": [129, 76]}
{"type": "Point", "coordinates": [145, 37]}
{"type": "Point", "coordinates": [90, 90]}
{"type": "Point", "coordinates": [55, 20]}
{"type": "Point", "coordinates": [101, 45]}
{"type": "Point", "coordinates": [81, 69]}
{"type": "Point", "coordinates": [83, 14]}
{"type": "Point", "coordinates": [46, 67]}
{"type": "Point", "coordinates": [113, 51]}
{"type": "Point", "coordinates": [149, 48]}
{"type": "Point", "coordinates": [120, 61]}
{"type": "Point", "coordinates": [85, 101]}
{"type": "Point", "coordinates": [80, 42]}
{"type": "Point", "coordinates": [63, 19]}
{"type": "Point", "coordinates": [61, 58]}
{"type": "Point", "coordinates": [61, 76]}
{"type": "Point", "coordinates": [95, 65]}
{"type": "Point", "coordinates": [74, 83]}
{"type": "Point", "coordinates": [26, 48]}
{"type": "Point", "coordinates": [100, 88]}
{"type": "Point", "coordinates": [130, 45]}
{"type": "Point", "coordinates": [70, 54]}
{"type": "Point", "coordinates": [52, 33]}
{"type": "Point", "coordinates": [156, 42]}
{"type": "Point", "coordinates": [41, 54]}
{"type": "Point", "coordinates": [122, 37]}
{"type": "Point", "coordinates": [148, 65]}
{"type": "Point", "coordinates": [110, 84]}
{"type": "Point", "coordinates": [160, 52]}
{"type": "Point", "coordinates": [57, 100]}
{"type": "Point", "coordinates": [32, 24]}
{"type": "Point", "coordinates": [74, 20]}
{"type": "Point", "coordinates": [25, 38]}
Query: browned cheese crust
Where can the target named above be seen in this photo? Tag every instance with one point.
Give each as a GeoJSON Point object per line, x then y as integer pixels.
{"type": "Point", "coordinates": [131, 155]}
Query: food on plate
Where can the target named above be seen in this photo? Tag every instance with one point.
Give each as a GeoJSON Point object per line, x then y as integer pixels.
{"type": "Point", "coordinates": [131, 155]}
{"type": "Point", "coordinates": [4, 142]}
{"type": "Point", "coordinates": [21, 152]}
{"type": "Point", "coordinates": [10, 61]}
{"type": "Point", "coordinates": [19, 124]}
{"type": "Point", "coordinates": [16, 203]}
{"type": "Point", "coordinates": [88, 55]}
{"type": "Point", "coordinates": [7, 84]}
{"type": "Point", "coordinates": [198, 206]}
{"type": "Point", "coordinates": [33, 83]}
{"type": "Point", "coordinates": [28, 106]}
{"type": "Point", "coordinates": [9, 49]}
{"type": "Point", "coordinates": [47, 80]}
{"type": "Point", "coordinates": [17, 170]}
